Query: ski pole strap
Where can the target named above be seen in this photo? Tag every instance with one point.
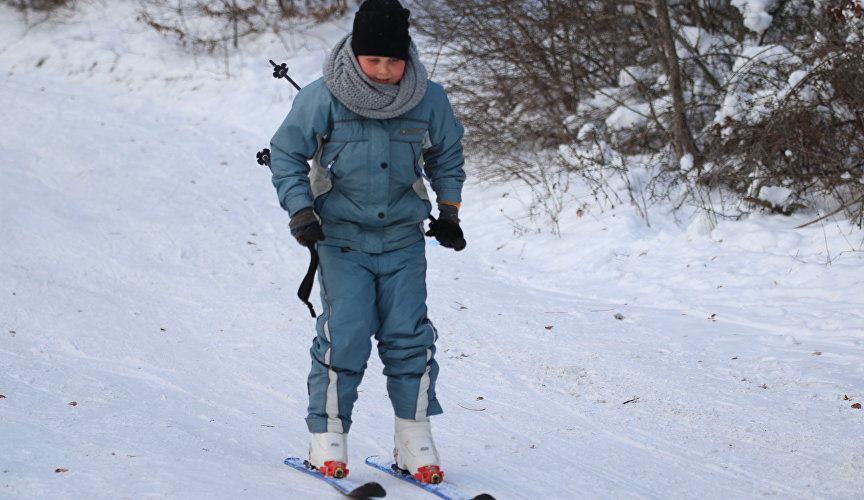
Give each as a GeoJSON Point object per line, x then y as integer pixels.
{"type": "Point", "coordinates": [305, 289]}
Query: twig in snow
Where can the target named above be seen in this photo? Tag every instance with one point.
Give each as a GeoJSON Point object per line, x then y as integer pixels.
{"type": "Point", "coordinates": [843, 207]}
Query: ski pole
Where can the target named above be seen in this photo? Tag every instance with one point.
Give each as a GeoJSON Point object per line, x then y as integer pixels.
{"type": "Point", "coordinates": [279, 71]}
{"type": "Point", "coordinates": [263, 157]}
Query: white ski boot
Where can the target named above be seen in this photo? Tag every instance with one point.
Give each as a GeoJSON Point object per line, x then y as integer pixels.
{"type": "Point", "coordinates": [328, 452]}
{"type": "Point", "coordinates": [415, 451]}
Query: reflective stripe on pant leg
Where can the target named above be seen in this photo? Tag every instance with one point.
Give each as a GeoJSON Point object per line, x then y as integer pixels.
{"type": "Point", "coordinates": [423, 390]}
{"type": "Point", "coordinates": [323, 380]}
{"type": "Point", "coordinates": [331, 403]}
{"type": "Point", "coordinates": [331, 398]}
{"type": "Point", "coordinates": [425, 381]}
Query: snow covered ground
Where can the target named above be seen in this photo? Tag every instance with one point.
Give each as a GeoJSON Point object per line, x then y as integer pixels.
{"type": "Point", "coordinates": [151, 345]}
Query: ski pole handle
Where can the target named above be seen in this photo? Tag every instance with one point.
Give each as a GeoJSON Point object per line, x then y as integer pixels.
{"type": "Point", "coordinates": [281, 71]}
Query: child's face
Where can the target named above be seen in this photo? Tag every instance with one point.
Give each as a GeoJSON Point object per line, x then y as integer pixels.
{"type": "Point", "coordinates": [382, 69]}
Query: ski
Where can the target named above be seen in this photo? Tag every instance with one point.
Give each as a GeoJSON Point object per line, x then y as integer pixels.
{"type": "Point", "coordinates": [348, 487]}
{"type": "Point", "coordinates": [443, 490]}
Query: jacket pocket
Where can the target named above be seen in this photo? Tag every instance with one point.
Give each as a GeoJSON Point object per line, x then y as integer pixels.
{"type": "Point", "coordinates": [330, 156]}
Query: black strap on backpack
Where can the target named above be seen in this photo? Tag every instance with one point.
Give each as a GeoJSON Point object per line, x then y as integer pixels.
{"type": "Point", "coordinates": [305, 289]}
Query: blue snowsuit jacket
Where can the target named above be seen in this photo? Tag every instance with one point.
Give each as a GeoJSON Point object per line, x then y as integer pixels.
{"type": "Point", "coordinates": [366, 176]}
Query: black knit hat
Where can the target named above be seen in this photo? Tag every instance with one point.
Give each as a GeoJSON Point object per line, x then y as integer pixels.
{"type": "Point", "coordinates": [381, 29]}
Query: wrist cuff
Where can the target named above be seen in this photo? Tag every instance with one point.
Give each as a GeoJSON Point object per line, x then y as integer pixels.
{"type": "Point", "coordinates": [448, 211]}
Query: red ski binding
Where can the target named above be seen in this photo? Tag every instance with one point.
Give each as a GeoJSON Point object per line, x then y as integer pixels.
{"type": "Point", "coordinates": [429, 474]}
{"type": "Point", "coordinates": [334, 469]}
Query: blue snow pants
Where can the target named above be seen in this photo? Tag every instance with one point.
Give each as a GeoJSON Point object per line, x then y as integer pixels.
{"type": "Point", "coordinates": [364, 296]}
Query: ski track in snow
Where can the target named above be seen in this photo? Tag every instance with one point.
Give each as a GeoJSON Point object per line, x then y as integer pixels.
{"type": "Point", "coordinates": [147, 275]}
{"type": "Point", "coordinates": [701, 412]}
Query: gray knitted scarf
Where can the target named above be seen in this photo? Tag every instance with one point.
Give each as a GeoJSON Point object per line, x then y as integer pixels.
{"type": "Point", "coordinates": [362, 95]}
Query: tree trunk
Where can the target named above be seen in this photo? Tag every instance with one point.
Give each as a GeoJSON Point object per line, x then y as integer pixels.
{"type": "Point", "coordinates": [683, 141]}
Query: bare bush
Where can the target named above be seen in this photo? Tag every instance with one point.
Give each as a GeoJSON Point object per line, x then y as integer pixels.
{"type": "Point", "coordinates": [801, 140]}
{"type": "Point", "coordinates": [38, 5]}
{"type": "Point", "coordinates": [513, 72]}
{"type": "Point", "coordinates": [519, 74]}
{"type": "Point", "coordinates": [769, 114]}
{"type": "Point", "coordinates": [208, 25]}
{"type": "Point", "coordinates": [38, 11]}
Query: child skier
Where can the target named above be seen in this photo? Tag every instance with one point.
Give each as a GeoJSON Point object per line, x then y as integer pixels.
{"type": "Point", "coordinates": [373, 127]}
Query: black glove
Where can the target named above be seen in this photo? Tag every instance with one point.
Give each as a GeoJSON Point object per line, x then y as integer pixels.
{"type": "Point", "coordinates": [305, 227]}
{"type": "Point", "coordinates": [446, 228]}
